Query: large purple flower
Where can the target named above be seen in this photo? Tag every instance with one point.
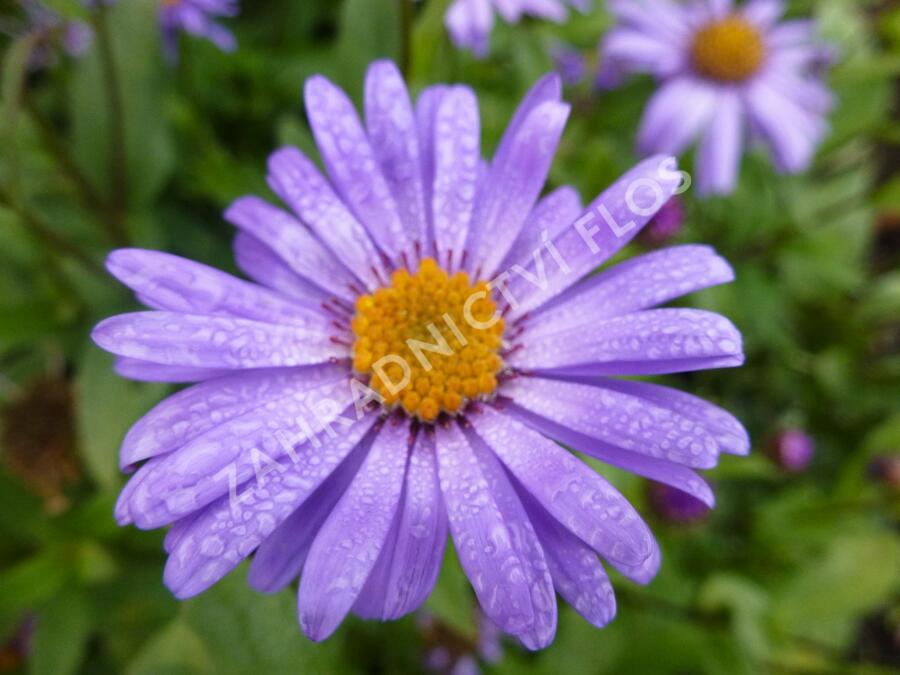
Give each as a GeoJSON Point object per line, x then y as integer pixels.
{"type": "Point", "coordinates": [197, 18]}
{"type": "Point", "coordinates": [370, 391]}
{"type": "Point", "coordinates": [728, 74]}
{"type": "Point", "coordinates": [470, 21]}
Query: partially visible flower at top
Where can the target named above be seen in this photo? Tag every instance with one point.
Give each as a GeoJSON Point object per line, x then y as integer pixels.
{"type": "Point", "coordinates": [569, 63]}
{"type": "Point", "coordinates": [675, 506]}
{"type": "Point", "coordinates": [196, 17]}
{"type": "Point", "coordinates": [470, 21]}
{"type": "Point", "coordinates": [792, 450]}
{"type": "Point", "coordinates": [417, 340]}
{"type": "Point", "coordinates": [729, 74]}
{"type": "Point", "coordinates": [50, 31]}
{"type": "Point", "coordinates": [665, 225]}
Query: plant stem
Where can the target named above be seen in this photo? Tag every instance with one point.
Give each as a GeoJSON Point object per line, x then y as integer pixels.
{"type": "Point", "coordinates": [406, 21]}
{"type": "Point", "coordinates": [118, 165]}
{"type": "Point", "coordinates": [43, 234]}
{"type": "Point", "coordinates": [109, 217]}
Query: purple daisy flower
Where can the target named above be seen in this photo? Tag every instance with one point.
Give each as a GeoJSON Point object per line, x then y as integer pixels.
{"type": "Point", "coordinates": [728, 74]}
{"type": "Point", "coordinates": [371, 390]}
{"type": "Point", "coordinates": [470, 21]}
{"type": "Point", "coordinates": [196, 17]}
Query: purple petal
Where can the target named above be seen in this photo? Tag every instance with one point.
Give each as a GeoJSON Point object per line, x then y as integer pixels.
{"type": "Point", "coordinates": [280, 558]}
{"type": "Point", "coordinates": [176, 284]}
{"type": "Point", "coordinates": [546, 90]}
{"type": "Point", "coordinates": [145, 371]}
{"type": "Point", "coordinates": [191, 412]}
{"type": "Point", "coordinates": [297, 181]}
{"type": "Point", "coordinates": [618, 419]}
{"type": "Point", "coordinates": [391, 126]}
{"type": "Point", "coordinates": [550, 217]}
{"type": "Point", "coordinates": [763, 13]}
{"type": "Point", "coordinates": [347, 547]}
{"type": "Point", "coordinates": [577, 573]}
{"type": "Point", "coordinates": [456, 157]}
{"type": "Point", "coordinates": [495, 542]}
{"type": "Point", "coordinates": [265, 267]}
{"type": "Point", "coordinates": [675, 115]}
{"type": "Point", "coordinates": [608, 223]}
{"type": "Point", "coordinates": [513, 185]}
{"type": "Point", "coordinates": [407, 570]}
{"type": "Point", "coordinates": [719, 155]}
{"type": "Point", "coordinates": [353, 166]}
{"type": "Point", "coordinates": [292, 242]}
{"type": "Point", "coordinates": [654, 341]}
{"type": "Point", "coordinates": [173, 485]}
{"type": "Point", "coordinates": [641, 282]}
{"type": "Point", "coordinates": [627, 50]}
{"type": "Point", "coordinates": [229, 530]}
{"type": "Point", "coordinates": [573, 493]}
{"type": "Point", "coordinates": [663, 471]}
{"type": "Point", "coordinates": [195, 341]}
{"type": "Point", "coordinates": [469, 23]}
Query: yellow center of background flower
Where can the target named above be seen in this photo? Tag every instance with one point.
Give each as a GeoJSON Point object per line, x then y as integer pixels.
{"type": "Point", "coordinates": [730, 50]}
{"type": "Point", "coordinates": [437, 335]}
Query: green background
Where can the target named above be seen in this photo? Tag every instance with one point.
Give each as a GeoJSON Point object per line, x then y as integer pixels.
{"type": "Point", "coordinates": [790, 574]}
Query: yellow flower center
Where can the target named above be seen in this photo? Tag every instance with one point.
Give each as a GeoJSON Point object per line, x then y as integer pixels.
{"type": "Point", "coordinates": [428, 341]}
{"type": "Point", "coordinates": [730, 50]}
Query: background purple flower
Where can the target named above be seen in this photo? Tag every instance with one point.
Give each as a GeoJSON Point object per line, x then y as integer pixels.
{"type": "Point", "coordinates": [665, 225]}
{"type": "Point", "coordinates": [792, 450]}
{"type": "Point", "coordinates": [470, 21]}
{"type": "Point", "coordinates": [196, 17]}
{"type": "Point", "coordinates": [729, 74]}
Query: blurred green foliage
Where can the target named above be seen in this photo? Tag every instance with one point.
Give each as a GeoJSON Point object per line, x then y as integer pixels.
{"type": "Point", "coordinates": [790, 574]}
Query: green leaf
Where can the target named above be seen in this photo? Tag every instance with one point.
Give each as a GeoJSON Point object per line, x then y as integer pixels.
{"type": "Point", "coordinates": [30, 583]}
{"type": "Point", "coordinates": [63, 627]}
{"type": "Point", "coordinates": [107, 407]}
{"type": "Point", "coordinates": [174, 650]}
{"type": "Point", "coordinates": [369, 30]}
{"type": "Point", "coordinates": [248, 632]}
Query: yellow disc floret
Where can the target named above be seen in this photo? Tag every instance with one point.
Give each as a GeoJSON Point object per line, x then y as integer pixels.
{"type": "Point", "coordinates": [729, 50]}
{"type": "Point", "coordinates": [429, 342]}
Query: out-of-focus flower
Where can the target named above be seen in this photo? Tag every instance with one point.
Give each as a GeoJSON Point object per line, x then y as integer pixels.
{"type": "Point", "coordinates": [449, 653]}
{"type": "Point", "coordinates": [470, 22]}
{"type": "Point", "coordinates": [372, 390]}
{"type": "Point", "coordinates": [569, 63]}
{"type": "Point", "coordinates": [792, 450]}
{"type": "Point", "coordinates": [675, 506]}
{"type": "Point", "coordinates": [665, 225]}
{"type": "Point", "coordinates": [196, 17]}
{"type": "Point", "coordinates": [51, 33]}
{"type": "Point", "coordinates": [729, 74]}
{"type": "Point", "coordinates": [38, 439]}
{"type": "Point", "coordinates": [886, 470]}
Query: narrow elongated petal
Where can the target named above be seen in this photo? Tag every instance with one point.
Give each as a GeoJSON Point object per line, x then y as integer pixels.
{"type": "Point", "coordinates": [572, 492]}
{"type": "Point", "coordinates": [191, 412]}
{"type": "Point", "coordinates": [553, 214]}
{"type": "Point", "coordinates": [608, 223]}
{"type": "Point", "coordinates": [640, 283]}
{"type": "Point", "coordinates": [280, 558]}
{"type": "Point", "coordinates": [577, 573]}
{"type": "Point", "coordinates": [512, 186]}
{"type": "Point", "coordinates": [180, 285]}
{"type": "Point", "coordinates": [660, 470]}
{"type": "Point", "coordinates": [297, 181]}
{"type": "Point", "coordinates": [267, 268]}
{"type": "Point", "coordinates": [391, 125]}
{"type": "Point", "coordinates": [353, 166]}
{"type": "Point", "coordinates": [675, 115]}
{"type": "Point", "coordinates": [653, 341]}
{"type": "Point", "coordinates": [171, 486]}
{"type": "Point", "coordinates": [229, 530]}
{"type": "Point", "coordinates": [407, 570]}
{"type": "Point", "coordinates": [292, 242]}
{"type": "Point", "coordinates": [618, 419]}
{"type": "Point", "coordinates": [196, 341]}
{"type": "Point", "coordinates": [347, 547]}
{"type": "Point", "coordinates": [496, 544]}
{"type": "Point", "coordinates": [456, 157]}
{"type": "Point", "coordinates": [719, 158]}
{"type": "Point", "coordinates": [146, 371]}
{"type": "Point", "coordinates": [546, 90]}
